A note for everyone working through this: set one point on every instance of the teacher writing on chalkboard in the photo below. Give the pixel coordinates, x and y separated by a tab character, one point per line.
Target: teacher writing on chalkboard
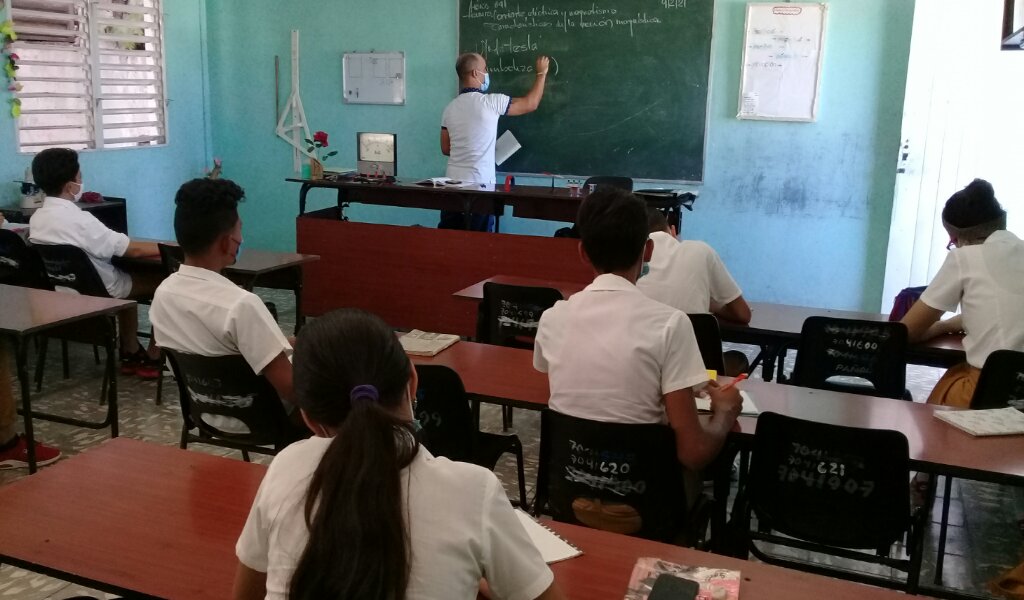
469	128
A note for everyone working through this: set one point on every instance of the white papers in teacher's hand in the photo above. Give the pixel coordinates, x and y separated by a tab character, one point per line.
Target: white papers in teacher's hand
506	146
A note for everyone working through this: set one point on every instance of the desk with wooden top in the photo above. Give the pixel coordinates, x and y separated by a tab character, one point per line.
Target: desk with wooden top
28	312
527	201
774	327
151	521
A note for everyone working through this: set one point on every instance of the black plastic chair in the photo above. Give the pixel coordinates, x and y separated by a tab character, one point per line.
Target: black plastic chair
843	491
709	341
20	265
629	464
226	386
615	181
1001	384
509	315
69	266
450	424
171	257
871	350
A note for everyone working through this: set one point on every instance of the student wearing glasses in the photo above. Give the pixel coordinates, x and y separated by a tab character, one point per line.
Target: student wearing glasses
984	275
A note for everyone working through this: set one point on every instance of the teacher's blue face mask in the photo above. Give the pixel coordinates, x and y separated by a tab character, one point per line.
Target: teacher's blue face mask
487	82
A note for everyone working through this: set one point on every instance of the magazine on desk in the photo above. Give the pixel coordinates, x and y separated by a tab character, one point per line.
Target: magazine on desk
422	343
718	584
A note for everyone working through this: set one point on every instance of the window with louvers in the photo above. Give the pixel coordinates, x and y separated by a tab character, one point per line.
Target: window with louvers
92	73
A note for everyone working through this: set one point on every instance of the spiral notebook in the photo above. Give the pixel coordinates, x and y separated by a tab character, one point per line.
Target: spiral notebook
552	547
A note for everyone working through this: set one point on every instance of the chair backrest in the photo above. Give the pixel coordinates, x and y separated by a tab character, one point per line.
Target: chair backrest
841	486
445	414
871	350
227	386
20	264
709	341
509	314
171	257
1002	381
629	464
70	267
623	183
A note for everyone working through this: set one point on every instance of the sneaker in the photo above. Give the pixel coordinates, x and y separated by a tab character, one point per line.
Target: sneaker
148	368
17	457
129	363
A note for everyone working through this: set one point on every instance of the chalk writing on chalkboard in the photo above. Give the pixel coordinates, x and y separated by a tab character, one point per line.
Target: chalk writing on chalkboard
602	469
825	470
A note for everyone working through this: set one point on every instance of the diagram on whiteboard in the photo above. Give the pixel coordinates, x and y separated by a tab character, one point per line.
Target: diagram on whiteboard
374	77
782	56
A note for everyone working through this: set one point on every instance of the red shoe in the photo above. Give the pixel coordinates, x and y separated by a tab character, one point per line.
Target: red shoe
17	457
129	363
148	368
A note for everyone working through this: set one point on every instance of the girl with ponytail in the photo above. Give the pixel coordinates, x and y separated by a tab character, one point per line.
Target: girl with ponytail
361	510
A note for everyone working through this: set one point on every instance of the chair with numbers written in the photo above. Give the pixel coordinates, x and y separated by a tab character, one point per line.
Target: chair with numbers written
450	426
613	476
509	315
832	348
842	491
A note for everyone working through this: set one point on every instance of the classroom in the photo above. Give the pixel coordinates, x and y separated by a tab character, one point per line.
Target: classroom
830	187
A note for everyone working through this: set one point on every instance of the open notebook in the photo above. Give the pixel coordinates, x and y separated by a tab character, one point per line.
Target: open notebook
422	343
992	421
749	408
552	546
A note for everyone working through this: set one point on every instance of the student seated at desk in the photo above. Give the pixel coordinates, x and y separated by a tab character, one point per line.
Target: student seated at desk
199	311
984	274
361	510
689	275
61	221
612	354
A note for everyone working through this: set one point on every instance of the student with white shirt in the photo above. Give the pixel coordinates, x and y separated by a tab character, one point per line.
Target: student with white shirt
469	128
61	221
689	275
361	510
613	354
198	310
984	275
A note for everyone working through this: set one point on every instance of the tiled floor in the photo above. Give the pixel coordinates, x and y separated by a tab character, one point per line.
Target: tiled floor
984	539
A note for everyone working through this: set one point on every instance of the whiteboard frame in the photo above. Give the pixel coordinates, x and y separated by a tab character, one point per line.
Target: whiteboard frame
821	57
345	84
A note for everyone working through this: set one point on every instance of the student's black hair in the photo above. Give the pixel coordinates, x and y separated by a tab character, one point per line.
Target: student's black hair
974	205
53	168
204	210
656	220
358	544
613	228
466	63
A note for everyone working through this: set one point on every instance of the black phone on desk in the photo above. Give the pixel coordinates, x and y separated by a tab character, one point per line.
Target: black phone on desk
670	587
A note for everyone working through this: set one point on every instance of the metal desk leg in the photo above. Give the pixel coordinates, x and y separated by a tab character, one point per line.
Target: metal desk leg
300	319
20	352
112	377
302	198
943	526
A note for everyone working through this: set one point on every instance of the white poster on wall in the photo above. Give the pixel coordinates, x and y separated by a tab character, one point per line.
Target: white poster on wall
782	56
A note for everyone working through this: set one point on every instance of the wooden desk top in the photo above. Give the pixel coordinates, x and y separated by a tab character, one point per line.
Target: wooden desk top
27	311
495	373
476	291
138	518
409	185
252	262
602	572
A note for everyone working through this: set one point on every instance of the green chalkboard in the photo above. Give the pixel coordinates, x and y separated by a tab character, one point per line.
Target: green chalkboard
627	92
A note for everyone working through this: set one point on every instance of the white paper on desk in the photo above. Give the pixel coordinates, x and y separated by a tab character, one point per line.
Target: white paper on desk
749	408
506	146
552	547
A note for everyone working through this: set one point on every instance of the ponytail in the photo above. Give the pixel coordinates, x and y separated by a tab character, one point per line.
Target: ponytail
358	536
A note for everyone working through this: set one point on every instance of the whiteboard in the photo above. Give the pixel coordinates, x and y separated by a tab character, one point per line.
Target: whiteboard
782	53
373	77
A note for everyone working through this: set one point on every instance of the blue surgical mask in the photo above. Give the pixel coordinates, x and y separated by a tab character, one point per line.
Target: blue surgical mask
487	82
645	269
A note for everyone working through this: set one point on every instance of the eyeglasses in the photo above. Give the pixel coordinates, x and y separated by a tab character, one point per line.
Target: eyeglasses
951	244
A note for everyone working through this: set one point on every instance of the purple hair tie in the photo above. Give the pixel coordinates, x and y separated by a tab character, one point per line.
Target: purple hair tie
363	395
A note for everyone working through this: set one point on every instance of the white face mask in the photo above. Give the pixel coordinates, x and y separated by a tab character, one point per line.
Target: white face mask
81	188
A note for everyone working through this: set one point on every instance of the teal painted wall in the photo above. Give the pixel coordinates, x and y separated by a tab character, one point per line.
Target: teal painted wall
147	177
800	212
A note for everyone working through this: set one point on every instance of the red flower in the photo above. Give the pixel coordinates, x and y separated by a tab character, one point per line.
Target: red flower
321	138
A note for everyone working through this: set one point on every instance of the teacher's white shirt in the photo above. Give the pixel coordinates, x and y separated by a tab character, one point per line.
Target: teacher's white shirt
472	123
